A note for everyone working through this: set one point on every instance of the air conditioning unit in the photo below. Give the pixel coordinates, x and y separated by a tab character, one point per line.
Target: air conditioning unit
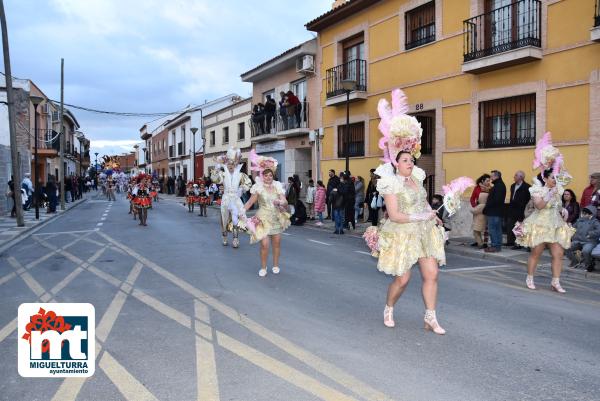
46	108
305	64
54	116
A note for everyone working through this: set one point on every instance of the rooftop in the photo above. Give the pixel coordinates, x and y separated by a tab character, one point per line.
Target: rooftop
338	14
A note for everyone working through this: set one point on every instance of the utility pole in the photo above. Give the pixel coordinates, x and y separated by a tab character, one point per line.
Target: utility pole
14	152
61	168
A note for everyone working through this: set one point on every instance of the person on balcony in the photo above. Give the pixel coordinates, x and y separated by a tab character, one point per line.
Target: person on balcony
283	110
258	118
293	105
270	109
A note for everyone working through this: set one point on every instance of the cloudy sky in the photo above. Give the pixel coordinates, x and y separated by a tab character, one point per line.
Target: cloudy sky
148	55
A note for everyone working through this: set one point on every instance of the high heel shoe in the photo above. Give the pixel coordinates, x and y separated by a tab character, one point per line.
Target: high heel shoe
529	282
388	316
432	324
555	284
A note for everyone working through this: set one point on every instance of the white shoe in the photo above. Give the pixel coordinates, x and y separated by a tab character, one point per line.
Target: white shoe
262	272
318	223
275	270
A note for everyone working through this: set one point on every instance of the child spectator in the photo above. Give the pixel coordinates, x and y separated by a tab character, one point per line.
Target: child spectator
320	198
585	239
310	199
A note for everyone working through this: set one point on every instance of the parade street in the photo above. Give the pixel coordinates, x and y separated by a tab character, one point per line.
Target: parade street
181	317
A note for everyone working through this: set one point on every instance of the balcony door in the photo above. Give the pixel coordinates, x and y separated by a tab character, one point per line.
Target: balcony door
508	21
354	50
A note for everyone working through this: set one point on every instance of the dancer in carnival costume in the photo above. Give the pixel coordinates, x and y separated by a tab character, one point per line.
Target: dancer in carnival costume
131	198
272	217
411	233
143	201
228	173
547	224
203	200
190	197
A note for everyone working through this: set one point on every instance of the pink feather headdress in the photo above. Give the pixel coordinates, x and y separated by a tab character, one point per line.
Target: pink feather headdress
262	163
400	131
547	155
453	191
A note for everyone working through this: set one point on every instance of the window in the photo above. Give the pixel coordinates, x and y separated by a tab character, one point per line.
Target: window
268	93
183	136
299	89
428	137
225	135
507	122
212	138
420	25
241	131
354	50
356	140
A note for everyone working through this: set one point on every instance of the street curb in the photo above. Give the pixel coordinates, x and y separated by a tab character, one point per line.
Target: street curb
32	230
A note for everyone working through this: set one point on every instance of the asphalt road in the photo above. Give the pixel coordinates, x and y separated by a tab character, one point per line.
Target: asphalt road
180	317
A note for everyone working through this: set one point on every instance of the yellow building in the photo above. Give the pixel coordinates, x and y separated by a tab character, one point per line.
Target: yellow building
486	78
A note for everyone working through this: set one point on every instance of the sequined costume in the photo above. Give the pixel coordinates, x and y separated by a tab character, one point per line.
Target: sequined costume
546	225
270	219
402	244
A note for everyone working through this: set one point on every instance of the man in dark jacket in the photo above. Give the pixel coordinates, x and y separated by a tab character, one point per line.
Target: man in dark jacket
494	210
333	182
349	199
338	206
519	197
270	108
585	239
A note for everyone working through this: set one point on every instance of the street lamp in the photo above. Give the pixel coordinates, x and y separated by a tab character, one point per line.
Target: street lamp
96	165
194	130
36	100
348	85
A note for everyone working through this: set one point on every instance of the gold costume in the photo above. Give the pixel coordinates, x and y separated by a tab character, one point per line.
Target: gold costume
272	220
402	244
546	225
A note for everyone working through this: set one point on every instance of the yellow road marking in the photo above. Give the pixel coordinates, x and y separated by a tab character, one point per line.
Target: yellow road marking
128	385
9	328
64	282
206	366
165	309
280	369
110	316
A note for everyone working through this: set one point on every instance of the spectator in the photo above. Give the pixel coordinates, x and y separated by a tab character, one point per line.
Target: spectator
437	204
320	201
371	192
291	195
359	202
494	208
479	219
51	192
519	197
569	201
333	182
596	199
338	206
293	107
270	109
11	194
27	185
585	238
258	118
588	192
283	110
310	199
349	200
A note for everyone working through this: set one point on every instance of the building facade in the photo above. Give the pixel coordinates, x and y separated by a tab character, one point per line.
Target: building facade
486	78
225	128
285	135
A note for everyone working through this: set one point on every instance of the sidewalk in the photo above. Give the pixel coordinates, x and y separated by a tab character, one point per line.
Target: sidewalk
461	246
8	225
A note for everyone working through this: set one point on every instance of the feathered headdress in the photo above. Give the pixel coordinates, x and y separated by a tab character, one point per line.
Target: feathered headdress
233	155
548	156
262	163
453	191
400	131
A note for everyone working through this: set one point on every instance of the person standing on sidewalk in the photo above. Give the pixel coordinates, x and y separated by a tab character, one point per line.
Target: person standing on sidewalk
588	192
310	199
519	197
546	226
585	239
494	210
479	221
27	185
349	200
333	182
338	207
320	201
359	191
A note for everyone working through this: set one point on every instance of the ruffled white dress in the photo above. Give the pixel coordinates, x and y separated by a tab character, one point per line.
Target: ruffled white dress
401	245
272	220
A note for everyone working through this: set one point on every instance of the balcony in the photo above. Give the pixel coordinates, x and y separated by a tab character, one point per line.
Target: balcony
503	37
48	143
595	31
294	122
355	70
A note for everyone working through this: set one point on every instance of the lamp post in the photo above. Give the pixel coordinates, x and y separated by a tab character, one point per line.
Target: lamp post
349	85
96	164
36	100
194	130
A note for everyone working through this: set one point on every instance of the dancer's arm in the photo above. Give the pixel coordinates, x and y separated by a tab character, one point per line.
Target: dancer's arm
250	202
398	217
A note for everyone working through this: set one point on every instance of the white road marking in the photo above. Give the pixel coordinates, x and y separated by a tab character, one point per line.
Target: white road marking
99	224
464	269
65	232
206	365
285	234
319	242
128	385
363	252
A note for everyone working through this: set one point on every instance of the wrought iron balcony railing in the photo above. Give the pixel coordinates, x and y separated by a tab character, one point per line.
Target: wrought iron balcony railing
355	70
284	119
506	28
